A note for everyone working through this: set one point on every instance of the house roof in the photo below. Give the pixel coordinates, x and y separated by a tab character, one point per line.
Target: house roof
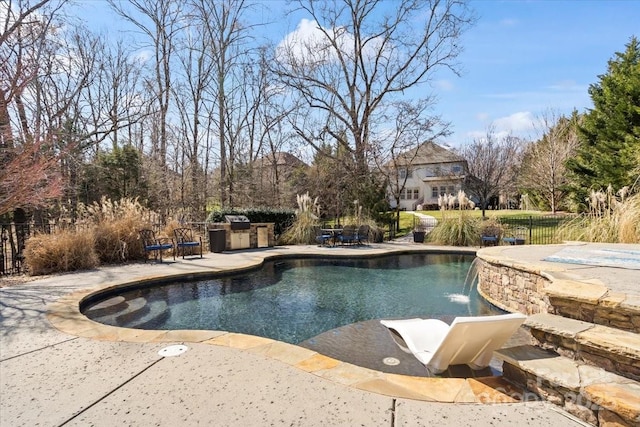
428	153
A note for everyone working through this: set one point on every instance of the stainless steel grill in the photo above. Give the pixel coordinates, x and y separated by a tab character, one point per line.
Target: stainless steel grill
238	222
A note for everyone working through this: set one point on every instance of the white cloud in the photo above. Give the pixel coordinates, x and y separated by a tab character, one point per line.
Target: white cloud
476	134
308	44
142	56
519	122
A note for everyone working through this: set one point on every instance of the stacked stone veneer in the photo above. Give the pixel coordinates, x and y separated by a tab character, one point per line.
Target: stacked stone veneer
608	310
585	352
513	289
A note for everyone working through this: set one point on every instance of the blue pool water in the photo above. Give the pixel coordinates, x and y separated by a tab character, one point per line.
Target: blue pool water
295	299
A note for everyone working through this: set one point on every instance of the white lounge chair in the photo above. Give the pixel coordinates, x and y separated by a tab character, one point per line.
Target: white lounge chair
469	340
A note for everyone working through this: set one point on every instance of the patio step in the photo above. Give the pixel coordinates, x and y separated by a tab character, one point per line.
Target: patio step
107	307
136	313
136	308
611	349
114	311
592	394
155	313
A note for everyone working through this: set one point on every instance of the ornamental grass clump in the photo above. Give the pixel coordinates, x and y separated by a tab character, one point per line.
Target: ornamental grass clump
459	229
376	233
302	230
65	250
116	226
612	218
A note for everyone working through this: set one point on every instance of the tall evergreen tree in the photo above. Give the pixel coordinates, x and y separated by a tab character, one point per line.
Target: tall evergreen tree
610	133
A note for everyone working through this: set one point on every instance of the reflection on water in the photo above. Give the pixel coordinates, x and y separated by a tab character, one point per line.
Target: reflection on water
294	300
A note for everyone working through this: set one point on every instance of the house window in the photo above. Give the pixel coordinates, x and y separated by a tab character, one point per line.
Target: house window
410	194
456	169
434	192
443	190
404	173
452	189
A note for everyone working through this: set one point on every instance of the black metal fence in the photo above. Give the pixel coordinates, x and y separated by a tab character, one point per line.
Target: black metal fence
538	230
535	230
12	240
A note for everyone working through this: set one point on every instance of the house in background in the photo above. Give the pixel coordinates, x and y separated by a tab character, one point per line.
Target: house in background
277	178
420	175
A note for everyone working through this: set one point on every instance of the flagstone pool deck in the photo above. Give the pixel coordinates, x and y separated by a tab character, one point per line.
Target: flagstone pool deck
59	368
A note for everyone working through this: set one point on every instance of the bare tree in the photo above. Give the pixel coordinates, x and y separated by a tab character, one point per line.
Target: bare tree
544	171
364	54
24	41
113	101
160	21
37	89
232	60
493	165
192	96
401	147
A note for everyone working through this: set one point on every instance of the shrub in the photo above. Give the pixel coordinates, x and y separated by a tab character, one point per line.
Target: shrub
65	250
281	218
629	222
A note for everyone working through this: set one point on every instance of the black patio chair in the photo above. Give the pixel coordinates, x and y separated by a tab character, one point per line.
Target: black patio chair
322	237
363	234
348	235
151	244
185	239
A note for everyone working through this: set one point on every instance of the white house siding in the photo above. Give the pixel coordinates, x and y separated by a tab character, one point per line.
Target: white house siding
426	180
431	167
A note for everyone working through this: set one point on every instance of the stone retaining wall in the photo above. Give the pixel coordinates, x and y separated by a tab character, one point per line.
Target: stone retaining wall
515	289
512	289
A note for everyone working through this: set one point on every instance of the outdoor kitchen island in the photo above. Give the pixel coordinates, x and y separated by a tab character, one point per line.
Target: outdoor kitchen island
240	233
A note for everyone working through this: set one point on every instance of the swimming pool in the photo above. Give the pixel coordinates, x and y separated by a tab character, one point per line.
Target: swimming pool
293	300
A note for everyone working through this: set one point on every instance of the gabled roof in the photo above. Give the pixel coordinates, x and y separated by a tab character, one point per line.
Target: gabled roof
428	153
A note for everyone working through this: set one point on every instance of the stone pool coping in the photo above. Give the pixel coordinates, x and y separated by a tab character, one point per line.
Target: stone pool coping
605	286
64	314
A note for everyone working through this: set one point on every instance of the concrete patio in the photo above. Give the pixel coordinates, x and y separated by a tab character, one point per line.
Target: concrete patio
58	368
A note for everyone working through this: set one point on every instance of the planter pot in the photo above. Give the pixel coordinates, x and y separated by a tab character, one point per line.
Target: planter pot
418	236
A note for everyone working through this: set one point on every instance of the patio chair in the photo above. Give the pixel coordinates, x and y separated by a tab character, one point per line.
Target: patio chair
469	340
516	236
363	234
322	237
348	235
490	236
185	239
151	244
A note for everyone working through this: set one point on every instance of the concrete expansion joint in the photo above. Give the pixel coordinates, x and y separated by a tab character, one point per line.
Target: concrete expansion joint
393	412
39	349
106	395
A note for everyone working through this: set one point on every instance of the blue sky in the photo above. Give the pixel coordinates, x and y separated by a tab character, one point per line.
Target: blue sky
526	57
521	59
